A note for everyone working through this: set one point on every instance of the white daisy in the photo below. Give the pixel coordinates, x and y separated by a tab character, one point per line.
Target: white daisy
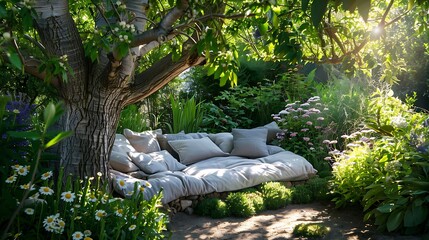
46	191
132	227
68	196
77	235
23	170
29	211
122	184
46	175
11	179
27	186
119	212
100	214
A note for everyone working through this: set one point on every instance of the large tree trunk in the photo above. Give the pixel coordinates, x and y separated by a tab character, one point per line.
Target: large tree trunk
94	124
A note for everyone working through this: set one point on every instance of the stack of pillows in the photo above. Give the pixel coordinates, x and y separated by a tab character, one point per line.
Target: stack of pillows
144	153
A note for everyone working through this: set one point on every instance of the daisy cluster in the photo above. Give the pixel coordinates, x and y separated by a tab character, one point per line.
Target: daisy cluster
70	212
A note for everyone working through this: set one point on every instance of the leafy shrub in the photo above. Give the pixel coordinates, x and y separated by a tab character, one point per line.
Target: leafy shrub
240	205
38	205
212	207
275	195
319	187
311	230
215	120
257	200
301	194
385	166
306	130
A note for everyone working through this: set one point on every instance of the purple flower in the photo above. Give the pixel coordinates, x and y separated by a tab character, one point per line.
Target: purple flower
306	139
293	134
309	123
304	130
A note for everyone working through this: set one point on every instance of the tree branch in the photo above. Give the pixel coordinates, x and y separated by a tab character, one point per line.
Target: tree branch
161	73
164	27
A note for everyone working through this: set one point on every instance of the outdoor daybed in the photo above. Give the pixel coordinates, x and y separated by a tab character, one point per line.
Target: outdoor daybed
200	163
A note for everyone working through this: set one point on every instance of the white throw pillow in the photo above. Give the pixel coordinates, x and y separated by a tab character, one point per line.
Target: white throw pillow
194	150
118	158
156	162
144	141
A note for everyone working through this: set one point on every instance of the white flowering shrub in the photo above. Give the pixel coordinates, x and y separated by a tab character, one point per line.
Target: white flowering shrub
385	166
38	205
306	132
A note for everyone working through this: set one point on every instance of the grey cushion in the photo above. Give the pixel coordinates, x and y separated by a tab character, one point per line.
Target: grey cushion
165	157
143	141
273	129
118	158
274	149
156	162
146	163
164	138
194	150
250	143
223	141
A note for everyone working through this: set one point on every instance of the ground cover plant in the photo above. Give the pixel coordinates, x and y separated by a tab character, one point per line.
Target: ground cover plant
37	205
271	195
384	167
311	230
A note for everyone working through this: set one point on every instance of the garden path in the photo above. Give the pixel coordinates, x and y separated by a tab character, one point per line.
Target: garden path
279	224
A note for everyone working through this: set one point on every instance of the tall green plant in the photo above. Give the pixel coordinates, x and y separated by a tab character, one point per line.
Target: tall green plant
133	118
187	115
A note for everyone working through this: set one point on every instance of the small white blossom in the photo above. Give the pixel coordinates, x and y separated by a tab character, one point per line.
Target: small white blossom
100	214
11	179
132	227
399	122
46	175
77	235
122	184
29	211
68	196
46	191
6	35
23	170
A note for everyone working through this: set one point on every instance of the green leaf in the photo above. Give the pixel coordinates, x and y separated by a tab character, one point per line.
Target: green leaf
387	208
3	12
33	135
58	138
363	7
223	79
311	75
304	5
394	220
211	69
410	4
49	114
415	215
263	28
15	60
318	10
349	5
275	20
